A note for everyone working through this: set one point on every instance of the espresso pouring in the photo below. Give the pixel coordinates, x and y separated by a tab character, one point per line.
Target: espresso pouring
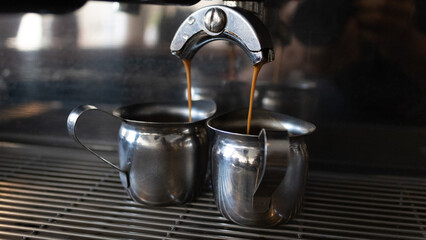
217	22
256	70
187	64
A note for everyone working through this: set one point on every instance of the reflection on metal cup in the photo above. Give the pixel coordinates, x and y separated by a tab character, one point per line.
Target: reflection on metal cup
258	180
163	157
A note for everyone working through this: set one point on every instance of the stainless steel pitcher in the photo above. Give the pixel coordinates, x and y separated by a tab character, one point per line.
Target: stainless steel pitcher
258	179
163	157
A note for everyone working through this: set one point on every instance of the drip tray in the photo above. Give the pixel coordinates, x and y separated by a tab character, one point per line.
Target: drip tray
64	193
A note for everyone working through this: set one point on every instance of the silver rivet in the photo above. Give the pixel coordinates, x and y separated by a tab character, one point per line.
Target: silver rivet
215	20
191	20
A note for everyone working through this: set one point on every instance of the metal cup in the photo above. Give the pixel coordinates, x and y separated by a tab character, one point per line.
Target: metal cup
162	156
258	179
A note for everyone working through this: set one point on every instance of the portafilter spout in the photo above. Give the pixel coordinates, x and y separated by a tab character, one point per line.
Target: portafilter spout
219	22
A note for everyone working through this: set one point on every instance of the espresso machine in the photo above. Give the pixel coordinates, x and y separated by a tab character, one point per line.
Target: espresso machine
324	62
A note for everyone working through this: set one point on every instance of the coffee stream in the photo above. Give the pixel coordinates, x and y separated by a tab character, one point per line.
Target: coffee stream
187	64
256	70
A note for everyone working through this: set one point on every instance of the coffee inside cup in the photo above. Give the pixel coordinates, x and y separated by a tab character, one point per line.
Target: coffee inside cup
236	122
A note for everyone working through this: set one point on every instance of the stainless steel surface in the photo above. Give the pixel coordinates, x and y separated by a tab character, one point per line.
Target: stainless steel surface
258	180
60	193
242	28
297	97
369	109
364	103
72	125
256	7
163	157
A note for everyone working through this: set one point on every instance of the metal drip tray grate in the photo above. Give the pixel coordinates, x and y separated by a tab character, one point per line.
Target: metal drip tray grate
64	194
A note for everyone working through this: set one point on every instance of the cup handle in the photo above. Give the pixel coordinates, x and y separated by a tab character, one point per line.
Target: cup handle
72	123
273	168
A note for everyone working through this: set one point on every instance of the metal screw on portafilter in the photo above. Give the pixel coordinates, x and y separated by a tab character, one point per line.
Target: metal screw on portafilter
219	22
215	20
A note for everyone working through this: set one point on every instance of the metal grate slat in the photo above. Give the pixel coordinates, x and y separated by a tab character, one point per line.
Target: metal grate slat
62	233
78	197
363	189
389	197
379	183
